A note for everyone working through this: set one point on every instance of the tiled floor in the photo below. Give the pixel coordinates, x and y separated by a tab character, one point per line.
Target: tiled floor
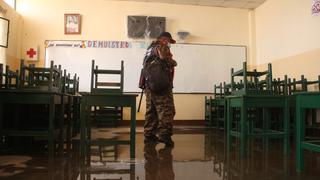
199	154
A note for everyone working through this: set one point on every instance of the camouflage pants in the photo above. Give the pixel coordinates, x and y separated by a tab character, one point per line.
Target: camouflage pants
160	112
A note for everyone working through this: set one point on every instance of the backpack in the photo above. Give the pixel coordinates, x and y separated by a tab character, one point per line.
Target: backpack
158	76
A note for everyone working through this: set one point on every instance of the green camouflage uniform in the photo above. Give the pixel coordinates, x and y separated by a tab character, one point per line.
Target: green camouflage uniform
160	112
160	109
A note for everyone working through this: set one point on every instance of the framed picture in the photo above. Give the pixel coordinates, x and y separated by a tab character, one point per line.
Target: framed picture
72	24
4	32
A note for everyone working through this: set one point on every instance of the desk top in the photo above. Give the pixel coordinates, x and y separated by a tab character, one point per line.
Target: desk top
34	92
307	93
123	100
113	95
5	91
256	96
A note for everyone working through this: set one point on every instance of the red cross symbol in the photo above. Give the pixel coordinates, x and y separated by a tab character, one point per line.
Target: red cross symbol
31	53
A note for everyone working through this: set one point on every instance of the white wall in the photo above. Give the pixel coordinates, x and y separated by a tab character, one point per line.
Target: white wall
106	20
285	28
11	54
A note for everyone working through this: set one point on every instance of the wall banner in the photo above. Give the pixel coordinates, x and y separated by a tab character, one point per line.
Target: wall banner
89	44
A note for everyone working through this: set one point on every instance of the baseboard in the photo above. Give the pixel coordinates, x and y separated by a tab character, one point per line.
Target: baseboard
175	123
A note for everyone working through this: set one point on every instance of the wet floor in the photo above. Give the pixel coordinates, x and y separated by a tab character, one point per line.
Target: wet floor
199	154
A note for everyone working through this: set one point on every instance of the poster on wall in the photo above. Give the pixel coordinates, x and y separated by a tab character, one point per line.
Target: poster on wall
315	7
31	53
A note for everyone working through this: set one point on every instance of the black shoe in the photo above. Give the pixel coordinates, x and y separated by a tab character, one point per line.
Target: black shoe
167	141
151	139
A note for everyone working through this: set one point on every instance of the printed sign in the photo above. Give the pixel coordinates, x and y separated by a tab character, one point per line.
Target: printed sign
31	53
89	44
315	7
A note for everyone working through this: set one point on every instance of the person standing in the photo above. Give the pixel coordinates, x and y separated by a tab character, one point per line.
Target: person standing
160	109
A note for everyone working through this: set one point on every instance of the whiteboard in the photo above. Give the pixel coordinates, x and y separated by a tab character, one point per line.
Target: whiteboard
199	66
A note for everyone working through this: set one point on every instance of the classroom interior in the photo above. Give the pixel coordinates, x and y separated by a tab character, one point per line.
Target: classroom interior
262	120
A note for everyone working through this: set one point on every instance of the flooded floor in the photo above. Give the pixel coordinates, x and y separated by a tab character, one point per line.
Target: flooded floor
199	154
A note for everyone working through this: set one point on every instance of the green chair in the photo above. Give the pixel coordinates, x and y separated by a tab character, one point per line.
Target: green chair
73	83
8	79
219	116
297	85
214	107
253	82
70	85
98	86
208	111
105	116
250	109
280	87
40	78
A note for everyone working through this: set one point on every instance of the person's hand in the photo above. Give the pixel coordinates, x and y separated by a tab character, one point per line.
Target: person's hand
164	52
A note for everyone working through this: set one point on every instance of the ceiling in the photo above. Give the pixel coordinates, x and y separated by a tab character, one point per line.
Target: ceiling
244	4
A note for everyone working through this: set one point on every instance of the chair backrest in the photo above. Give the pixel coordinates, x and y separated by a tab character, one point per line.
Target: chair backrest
40	78
8	79
252	80
221	90
315	82
72	84
100	85
281	87
297	85
218	91
302	85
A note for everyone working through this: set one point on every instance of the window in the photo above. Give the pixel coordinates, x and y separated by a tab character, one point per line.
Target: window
11	3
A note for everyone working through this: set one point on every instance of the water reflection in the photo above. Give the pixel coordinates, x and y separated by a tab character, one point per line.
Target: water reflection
158	165
199	154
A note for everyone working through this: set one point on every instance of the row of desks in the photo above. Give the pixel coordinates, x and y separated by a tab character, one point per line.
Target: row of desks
53	100
300	102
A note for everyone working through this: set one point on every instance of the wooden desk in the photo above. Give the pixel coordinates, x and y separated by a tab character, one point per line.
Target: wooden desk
121	100
304	100
36	97
244	102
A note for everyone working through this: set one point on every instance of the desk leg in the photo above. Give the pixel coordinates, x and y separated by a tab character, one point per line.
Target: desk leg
229	119
1	123
300	133
69	124
286	129
210	113
132	171
266	128
83	115
61	129
243	131
89	119
51	170
225	120
218	116
82	170
133	130
51	128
